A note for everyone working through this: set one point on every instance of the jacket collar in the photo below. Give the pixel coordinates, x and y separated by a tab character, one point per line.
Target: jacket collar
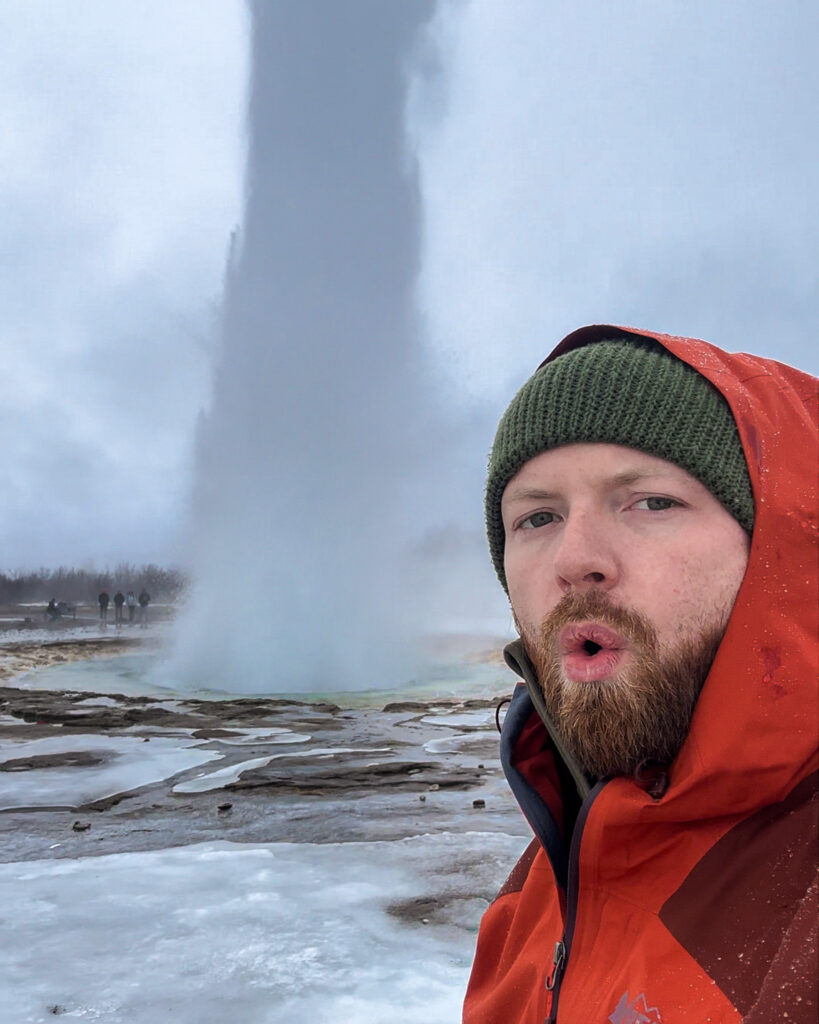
546	781
518	660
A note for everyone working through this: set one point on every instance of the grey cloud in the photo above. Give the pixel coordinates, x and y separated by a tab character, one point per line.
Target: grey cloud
119	186
607	162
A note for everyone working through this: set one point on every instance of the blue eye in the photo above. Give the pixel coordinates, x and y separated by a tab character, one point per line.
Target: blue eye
656	504
537	519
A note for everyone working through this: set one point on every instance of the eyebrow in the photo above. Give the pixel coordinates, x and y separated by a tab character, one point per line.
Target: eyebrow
625	479
532	494
634	476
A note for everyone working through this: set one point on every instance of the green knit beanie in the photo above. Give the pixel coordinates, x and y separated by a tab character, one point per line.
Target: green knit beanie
628	392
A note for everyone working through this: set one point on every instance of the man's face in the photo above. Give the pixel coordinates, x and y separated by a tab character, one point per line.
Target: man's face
622	571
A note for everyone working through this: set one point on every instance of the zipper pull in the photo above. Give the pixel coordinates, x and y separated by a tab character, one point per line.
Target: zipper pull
558	961
553	981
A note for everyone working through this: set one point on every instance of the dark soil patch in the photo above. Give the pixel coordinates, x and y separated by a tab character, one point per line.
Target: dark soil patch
69	759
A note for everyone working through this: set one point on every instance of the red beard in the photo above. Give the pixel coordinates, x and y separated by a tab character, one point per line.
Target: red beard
640	712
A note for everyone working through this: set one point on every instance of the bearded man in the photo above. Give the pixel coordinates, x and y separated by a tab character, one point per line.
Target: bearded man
651	509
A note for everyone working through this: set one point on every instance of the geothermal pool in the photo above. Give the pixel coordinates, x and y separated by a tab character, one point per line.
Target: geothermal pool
468	666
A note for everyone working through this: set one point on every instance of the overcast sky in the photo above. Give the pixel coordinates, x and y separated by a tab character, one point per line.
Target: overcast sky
121	157
644	162
647	161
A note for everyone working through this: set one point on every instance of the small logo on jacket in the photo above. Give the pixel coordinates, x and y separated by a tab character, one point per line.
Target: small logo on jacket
636	1011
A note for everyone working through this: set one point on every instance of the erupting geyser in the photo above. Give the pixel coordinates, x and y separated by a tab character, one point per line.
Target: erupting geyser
309	482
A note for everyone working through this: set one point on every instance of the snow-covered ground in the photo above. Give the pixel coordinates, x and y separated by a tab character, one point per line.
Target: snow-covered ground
217	932
354	933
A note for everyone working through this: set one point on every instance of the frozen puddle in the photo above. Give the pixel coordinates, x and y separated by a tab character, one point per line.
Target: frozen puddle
478	719
114	764
462	744
217	779
97	702
358	933
268	734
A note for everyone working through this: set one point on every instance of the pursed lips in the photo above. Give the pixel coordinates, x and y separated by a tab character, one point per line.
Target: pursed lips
590	651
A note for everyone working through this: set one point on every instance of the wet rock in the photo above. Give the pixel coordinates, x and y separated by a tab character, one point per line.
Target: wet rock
105	803
81	826
406	705
69	759
434	704
214	734
320	779
253	708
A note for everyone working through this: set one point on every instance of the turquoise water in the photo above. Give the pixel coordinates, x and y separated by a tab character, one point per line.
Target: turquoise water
459	675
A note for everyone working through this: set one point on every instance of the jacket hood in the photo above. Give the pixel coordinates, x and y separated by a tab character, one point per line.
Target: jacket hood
755	730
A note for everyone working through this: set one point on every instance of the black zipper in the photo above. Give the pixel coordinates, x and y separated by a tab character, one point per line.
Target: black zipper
563	948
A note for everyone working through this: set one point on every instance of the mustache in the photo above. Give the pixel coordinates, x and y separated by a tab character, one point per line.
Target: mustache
633	627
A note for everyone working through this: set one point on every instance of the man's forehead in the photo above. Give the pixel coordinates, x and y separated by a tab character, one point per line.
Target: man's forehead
608	465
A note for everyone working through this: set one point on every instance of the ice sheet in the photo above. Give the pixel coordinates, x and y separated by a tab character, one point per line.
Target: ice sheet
128	762
270	734
471	719
461	744
271	934
219	778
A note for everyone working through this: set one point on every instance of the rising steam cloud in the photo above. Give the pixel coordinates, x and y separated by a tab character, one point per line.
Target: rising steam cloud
315	459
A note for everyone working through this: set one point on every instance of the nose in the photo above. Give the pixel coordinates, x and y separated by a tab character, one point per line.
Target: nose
585	558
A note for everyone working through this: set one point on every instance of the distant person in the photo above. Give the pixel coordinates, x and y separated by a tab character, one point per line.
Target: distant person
119	601
103	601
144	601
52	611
131	601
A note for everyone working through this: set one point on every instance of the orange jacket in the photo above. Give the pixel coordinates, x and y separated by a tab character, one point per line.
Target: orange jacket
690	895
